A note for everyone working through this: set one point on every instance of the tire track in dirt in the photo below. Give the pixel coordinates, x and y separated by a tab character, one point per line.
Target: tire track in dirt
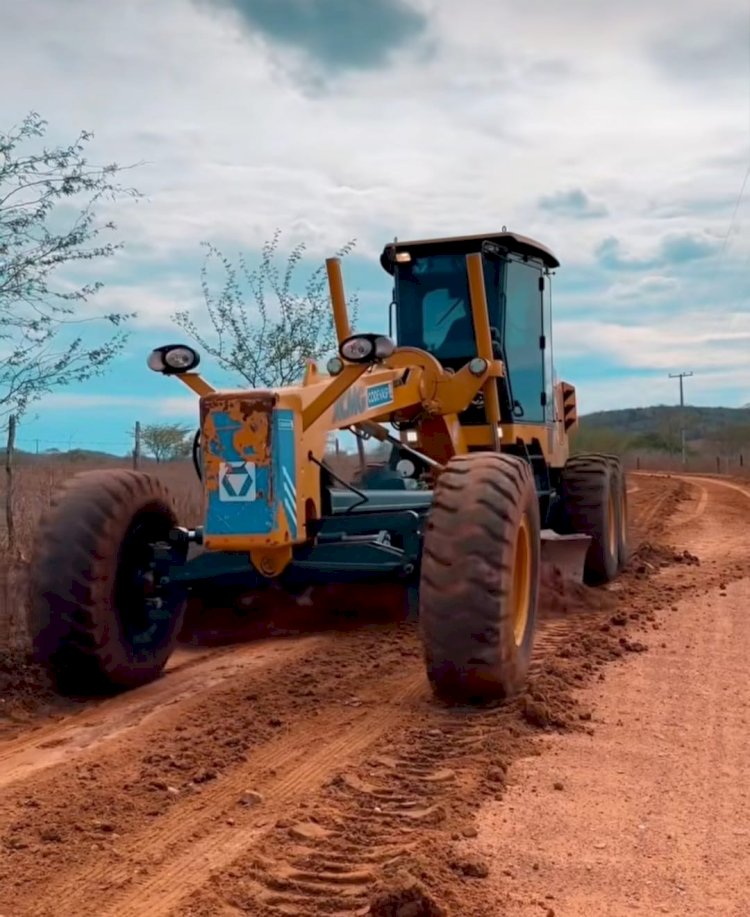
70	828
421	786
297	769
87	730
412	790
188	847
654	507
110	719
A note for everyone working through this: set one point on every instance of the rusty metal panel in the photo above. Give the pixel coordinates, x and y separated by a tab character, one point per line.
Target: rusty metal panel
249	468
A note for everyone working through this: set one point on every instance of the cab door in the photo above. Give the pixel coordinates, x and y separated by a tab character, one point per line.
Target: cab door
524	339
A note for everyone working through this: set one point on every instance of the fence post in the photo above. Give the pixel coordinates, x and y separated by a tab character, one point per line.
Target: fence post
137	446
718	464
742	461
637	463
9	518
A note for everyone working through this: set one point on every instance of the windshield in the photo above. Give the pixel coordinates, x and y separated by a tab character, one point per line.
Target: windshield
433	306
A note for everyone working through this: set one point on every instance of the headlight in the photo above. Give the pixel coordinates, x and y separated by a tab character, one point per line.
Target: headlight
335	366
366	348
405	467
173	359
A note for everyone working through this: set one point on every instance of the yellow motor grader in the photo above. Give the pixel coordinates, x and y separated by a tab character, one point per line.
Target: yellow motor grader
466	393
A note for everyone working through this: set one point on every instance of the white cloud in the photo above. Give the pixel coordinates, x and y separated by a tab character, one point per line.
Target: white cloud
652	285
515	102
692	340
467	138
154	303
177	407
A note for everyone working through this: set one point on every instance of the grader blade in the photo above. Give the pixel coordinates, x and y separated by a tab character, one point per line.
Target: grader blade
565	554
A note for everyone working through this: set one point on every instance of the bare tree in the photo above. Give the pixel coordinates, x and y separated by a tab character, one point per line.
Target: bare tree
265	328
48	227
166	442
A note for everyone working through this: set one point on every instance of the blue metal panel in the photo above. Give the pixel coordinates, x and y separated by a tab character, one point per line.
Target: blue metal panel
285	466
254	516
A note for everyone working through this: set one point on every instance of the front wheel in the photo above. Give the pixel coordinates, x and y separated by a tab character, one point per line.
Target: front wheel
479	582
101	618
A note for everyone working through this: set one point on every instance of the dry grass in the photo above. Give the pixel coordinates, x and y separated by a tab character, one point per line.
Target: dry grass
695	465
33	488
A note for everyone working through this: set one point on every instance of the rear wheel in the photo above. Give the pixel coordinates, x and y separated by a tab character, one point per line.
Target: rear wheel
479	583
591	497
621	491
100	620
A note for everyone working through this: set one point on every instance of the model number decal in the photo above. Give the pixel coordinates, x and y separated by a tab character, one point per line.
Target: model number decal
359	400
378	396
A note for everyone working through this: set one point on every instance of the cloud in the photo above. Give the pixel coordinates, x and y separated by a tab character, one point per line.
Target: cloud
154	303
705	51
338	35
673	249
174	406
442	127
651	286
691	340
575	204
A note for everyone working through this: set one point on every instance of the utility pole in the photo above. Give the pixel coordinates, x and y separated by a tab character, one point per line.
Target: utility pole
681	376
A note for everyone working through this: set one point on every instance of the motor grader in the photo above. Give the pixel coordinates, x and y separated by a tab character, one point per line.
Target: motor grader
466	392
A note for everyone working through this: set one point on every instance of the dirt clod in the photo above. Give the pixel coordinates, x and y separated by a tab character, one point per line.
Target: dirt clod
471	867
405	899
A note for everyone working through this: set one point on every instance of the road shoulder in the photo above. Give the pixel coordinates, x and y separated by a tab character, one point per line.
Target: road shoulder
651	813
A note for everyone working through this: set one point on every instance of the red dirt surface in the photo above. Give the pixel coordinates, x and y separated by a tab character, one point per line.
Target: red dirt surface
310	772
651	812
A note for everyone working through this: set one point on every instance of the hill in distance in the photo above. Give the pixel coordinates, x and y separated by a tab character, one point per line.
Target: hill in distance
699	421
653	429
714	430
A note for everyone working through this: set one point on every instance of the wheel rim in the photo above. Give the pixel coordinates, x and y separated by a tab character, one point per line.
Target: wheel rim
521	593
142	610
612	524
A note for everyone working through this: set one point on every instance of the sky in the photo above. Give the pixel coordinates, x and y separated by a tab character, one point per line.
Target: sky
617	135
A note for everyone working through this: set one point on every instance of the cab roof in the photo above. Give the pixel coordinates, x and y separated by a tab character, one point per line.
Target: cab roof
513	242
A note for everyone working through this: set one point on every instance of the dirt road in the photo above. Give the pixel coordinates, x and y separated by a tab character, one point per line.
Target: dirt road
650	814
314	774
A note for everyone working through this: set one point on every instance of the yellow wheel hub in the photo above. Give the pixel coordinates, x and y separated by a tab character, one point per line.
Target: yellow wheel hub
521	589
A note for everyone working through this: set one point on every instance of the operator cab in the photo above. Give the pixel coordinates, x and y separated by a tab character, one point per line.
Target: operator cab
433	312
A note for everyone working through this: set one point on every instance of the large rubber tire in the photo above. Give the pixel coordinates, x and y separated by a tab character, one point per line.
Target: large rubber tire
590	502
479	580
90	624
